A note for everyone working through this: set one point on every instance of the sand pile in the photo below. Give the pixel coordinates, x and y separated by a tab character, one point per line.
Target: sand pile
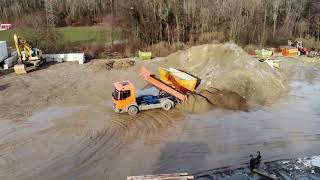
99	65
211	98
228	68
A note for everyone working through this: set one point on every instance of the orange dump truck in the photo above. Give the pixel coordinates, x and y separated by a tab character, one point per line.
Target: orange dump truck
125	99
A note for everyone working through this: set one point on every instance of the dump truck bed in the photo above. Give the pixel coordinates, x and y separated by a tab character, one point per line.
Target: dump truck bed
178	79
150	78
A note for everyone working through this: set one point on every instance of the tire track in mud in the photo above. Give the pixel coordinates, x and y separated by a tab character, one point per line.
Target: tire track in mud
125	129
98	148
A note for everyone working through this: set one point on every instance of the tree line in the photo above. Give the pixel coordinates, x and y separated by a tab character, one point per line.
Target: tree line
151	21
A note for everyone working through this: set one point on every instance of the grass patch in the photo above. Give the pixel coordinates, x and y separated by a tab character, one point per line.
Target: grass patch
77	35
4	36
99	34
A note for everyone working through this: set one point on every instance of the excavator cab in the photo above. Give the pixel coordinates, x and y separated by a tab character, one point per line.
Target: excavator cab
124	98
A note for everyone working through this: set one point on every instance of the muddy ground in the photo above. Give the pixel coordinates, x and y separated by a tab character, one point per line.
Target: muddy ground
58	123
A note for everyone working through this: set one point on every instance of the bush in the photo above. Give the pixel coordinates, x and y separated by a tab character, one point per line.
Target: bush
310	43
93	50
163	49
212	37
250	48
33	20
38	37
132	47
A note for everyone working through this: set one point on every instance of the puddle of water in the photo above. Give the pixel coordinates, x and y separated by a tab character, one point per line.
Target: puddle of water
50	114
290	128
37	122
287	129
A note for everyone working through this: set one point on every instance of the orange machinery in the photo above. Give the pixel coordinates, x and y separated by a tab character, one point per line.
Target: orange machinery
290	52
125	100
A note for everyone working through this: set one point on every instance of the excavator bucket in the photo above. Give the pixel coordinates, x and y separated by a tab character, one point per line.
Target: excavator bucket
20	69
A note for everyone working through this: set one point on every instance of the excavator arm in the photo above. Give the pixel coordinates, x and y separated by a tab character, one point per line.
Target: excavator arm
26	55
17	44
21	44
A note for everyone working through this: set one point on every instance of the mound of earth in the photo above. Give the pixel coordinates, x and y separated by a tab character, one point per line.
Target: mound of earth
109	64
228	67
211	98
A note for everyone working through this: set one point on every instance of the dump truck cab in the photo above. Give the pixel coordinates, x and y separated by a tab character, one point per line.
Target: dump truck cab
125	99
123	96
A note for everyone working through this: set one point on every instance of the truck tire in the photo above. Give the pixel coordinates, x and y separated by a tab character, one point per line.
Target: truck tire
167	105
133	110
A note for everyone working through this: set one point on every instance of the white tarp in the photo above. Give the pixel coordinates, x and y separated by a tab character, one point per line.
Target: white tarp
3	51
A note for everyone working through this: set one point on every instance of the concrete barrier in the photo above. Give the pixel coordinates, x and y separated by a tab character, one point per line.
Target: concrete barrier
3	51
10	62
70	57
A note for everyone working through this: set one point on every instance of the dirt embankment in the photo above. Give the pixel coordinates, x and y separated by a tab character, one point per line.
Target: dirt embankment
229	77
211	98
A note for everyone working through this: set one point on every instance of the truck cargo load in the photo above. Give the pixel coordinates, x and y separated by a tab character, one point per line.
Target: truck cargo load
180	80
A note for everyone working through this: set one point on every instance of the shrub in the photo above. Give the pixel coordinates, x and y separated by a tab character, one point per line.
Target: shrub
163	49
310	43
212	37
132	47
250	48
93	50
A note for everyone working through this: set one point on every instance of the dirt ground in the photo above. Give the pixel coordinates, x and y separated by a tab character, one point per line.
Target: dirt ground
58	123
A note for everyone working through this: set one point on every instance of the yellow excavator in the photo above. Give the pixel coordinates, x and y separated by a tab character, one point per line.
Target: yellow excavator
26	55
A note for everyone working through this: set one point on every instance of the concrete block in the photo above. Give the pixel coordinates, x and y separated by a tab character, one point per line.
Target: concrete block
10	62
75	57
3	51
70	57
14	53
53	57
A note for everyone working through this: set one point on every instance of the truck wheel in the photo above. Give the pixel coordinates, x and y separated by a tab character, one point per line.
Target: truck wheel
133	110
167	105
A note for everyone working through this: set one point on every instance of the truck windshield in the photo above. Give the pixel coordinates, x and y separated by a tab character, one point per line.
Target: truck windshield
115	94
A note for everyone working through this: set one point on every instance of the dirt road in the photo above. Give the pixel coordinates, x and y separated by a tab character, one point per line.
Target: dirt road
57	123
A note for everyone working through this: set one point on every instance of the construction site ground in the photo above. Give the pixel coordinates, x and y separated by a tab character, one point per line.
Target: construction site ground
57	123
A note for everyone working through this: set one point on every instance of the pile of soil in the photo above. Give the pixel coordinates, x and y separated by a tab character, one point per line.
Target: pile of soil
228	68
229	78
211	98
99	65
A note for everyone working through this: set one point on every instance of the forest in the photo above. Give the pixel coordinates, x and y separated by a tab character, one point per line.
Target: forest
259	22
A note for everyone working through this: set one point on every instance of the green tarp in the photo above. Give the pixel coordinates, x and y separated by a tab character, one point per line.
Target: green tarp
145	55
263	53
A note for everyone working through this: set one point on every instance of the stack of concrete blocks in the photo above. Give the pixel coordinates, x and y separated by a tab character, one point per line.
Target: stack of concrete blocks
11	61
3	51
71	57
8	61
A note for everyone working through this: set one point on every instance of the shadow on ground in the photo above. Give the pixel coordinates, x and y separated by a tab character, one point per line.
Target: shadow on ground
3	87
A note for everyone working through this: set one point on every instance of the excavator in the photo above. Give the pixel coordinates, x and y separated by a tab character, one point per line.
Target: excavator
173	87
26	55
